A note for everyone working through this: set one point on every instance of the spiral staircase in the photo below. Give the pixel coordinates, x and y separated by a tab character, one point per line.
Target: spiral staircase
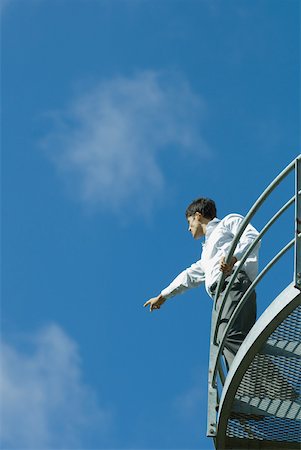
257	403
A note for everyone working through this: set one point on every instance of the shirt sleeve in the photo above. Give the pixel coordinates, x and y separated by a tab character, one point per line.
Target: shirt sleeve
246	239
190	278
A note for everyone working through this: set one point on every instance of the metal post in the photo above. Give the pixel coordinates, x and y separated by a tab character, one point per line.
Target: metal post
212	385
297	271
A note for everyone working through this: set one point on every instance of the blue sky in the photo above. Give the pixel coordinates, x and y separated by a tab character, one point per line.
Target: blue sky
116	114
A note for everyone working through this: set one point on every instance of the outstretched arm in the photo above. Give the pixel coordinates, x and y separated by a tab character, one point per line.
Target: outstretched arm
191	277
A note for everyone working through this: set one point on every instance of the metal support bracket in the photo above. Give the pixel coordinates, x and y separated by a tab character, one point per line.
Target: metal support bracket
297	271
211	418
212	387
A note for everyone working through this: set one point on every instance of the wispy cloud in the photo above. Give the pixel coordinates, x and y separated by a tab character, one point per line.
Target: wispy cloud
44	402
4	4
109	141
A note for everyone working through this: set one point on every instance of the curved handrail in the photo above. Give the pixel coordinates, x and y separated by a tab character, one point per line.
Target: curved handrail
245	298
243	259
249	216
215	361
276	312
243	226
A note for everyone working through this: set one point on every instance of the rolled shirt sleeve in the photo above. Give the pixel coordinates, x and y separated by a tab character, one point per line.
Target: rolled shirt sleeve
190	278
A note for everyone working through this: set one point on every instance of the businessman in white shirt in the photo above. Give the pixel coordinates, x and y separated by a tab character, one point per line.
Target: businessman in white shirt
218	236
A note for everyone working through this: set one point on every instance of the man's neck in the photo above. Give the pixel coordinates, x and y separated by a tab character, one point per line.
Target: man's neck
205	223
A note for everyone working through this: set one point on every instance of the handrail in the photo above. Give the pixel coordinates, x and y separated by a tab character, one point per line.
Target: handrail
215	366
297	271
249	216
243	259
276	312
245	298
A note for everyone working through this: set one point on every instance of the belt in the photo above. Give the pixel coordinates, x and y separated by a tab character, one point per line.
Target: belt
214	286
226	281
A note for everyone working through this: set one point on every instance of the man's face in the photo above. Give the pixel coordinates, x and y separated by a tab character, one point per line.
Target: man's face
195	226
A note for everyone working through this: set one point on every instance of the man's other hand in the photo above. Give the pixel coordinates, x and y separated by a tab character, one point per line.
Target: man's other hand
227	268
155	303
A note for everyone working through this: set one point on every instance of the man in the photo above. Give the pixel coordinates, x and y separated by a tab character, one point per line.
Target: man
218	234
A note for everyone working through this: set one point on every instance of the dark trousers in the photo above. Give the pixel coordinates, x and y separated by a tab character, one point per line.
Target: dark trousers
244	321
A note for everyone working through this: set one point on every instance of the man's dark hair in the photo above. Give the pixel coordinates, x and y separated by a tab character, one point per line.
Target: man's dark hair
204	206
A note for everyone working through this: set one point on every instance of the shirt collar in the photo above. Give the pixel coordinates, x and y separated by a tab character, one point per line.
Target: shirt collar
210	227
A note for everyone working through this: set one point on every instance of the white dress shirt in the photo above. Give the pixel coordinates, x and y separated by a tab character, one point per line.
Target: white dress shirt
218	239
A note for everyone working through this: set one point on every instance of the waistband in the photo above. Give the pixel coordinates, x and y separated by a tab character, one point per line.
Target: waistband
213	287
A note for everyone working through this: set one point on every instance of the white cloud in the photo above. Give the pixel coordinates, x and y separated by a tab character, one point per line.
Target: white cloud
109	142
44	402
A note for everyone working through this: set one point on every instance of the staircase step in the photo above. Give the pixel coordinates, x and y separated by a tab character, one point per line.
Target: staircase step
284	409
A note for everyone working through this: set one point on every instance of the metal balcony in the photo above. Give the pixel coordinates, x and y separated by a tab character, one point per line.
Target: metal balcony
257	404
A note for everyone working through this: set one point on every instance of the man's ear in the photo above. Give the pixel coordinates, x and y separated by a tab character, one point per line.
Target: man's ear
199	216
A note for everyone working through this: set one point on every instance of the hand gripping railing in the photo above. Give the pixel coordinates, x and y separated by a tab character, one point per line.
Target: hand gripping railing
216	348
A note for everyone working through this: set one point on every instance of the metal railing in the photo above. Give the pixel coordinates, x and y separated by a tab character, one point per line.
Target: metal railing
217	373
260	403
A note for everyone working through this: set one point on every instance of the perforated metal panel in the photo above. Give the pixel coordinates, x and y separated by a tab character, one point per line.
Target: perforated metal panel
267	405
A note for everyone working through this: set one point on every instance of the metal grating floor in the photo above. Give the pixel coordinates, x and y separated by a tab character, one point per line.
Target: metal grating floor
267	404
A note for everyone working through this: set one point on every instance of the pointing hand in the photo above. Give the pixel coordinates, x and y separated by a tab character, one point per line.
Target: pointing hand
155	302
